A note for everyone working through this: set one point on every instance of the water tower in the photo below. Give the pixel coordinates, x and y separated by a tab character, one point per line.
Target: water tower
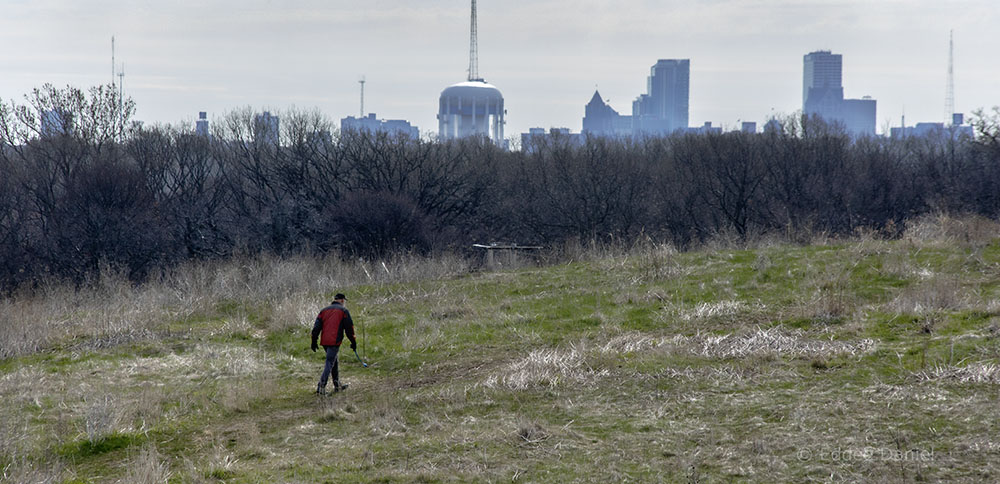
473	107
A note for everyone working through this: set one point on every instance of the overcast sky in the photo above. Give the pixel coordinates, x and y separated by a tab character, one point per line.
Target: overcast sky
546	56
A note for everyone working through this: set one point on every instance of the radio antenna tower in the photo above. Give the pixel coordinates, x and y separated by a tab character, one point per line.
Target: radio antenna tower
362	82
121	94
949	97
121	82
474	47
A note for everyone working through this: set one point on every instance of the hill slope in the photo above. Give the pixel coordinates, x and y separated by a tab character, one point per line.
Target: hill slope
866	361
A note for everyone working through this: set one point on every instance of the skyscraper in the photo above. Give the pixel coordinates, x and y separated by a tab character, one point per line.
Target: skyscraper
265	128
201	126
600	119
823	95
55	122
664	108
822	83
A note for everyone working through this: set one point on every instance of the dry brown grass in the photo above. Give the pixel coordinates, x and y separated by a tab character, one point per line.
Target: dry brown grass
770	342
971	231
832	298
548	367
530	432
113	311
937	293
102	416
23	471
147	467
983	372
422	335
703	385
385	419
746	344
720	309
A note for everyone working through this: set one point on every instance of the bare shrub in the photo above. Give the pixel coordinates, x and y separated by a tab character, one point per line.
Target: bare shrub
148	467
375	224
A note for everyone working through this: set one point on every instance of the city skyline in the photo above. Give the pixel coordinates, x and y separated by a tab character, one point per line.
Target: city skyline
547	56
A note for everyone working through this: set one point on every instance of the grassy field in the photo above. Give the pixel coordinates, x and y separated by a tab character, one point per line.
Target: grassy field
853	361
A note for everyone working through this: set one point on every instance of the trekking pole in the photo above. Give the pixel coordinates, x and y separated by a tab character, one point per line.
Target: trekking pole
359	359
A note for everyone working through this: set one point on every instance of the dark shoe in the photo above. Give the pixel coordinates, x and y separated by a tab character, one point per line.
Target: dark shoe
340	388
320	391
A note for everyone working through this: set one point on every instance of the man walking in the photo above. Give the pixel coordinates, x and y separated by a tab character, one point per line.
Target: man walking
333	322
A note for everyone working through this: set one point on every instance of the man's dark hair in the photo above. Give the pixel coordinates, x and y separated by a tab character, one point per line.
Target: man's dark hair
339	297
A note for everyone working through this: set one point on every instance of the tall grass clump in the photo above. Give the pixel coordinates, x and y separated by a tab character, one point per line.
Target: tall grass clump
942	229
147	467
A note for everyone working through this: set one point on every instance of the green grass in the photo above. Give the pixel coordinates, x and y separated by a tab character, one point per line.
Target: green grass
780	364
86	449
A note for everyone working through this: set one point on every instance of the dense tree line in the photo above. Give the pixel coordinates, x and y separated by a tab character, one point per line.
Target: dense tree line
87	187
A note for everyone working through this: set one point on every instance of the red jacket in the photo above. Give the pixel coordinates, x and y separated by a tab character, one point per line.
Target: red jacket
333	322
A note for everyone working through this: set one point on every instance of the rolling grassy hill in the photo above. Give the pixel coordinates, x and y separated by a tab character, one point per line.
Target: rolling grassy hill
864	360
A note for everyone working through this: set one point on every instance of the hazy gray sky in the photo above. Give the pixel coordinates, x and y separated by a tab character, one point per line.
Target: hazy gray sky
546	56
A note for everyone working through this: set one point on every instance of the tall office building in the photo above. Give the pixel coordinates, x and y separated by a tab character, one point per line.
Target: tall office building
664	108
822	83
55	122
823	95
600	119
201	126
265	128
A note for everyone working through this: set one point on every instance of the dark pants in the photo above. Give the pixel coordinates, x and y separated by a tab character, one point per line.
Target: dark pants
330	367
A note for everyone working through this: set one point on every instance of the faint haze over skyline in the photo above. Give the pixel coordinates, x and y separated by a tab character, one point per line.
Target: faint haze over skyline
546	56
